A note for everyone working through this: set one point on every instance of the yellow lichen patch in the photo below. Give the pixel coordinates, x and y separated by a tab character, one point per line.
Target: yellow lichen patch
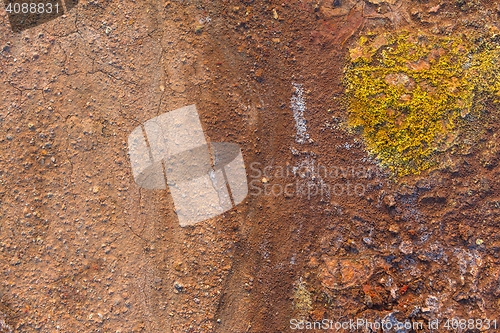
302	298
409	92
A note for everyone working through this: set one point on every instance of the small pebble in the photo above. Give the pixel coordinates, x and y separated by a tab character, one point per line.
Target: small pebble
178	286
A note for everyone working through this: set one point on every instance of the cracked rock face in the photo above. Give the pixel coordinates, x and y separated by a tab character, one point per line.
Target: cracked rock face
84	248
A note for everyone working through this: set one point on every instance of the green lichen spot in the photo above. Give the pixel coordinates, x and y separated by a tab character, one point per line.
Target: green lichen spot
410	93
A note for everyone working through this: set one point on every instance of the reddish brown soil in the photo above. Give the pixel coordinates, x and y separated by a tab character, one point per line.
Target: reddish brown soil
84	249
